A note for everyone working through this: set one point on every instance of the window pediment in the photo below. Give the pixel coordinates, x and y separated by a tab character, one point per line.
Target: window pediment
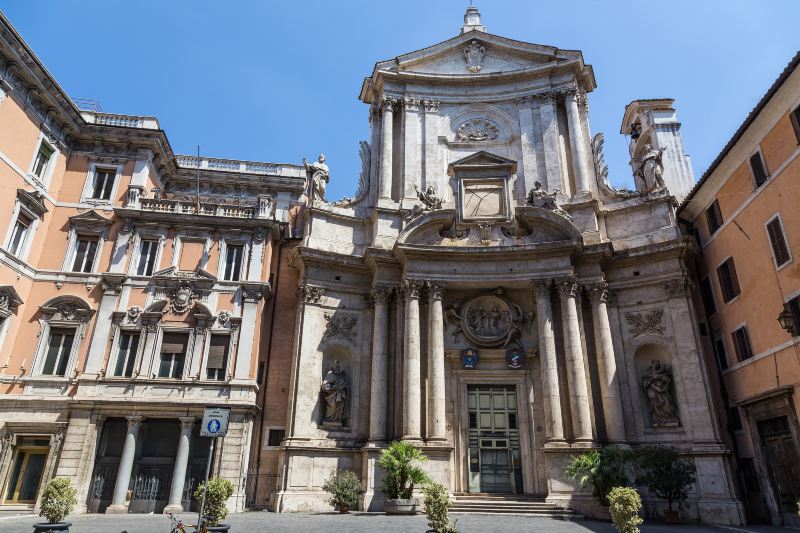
33	202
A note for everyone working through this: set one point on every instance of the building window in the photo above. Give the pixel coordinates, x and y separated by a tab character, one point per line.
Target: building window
233	262
59	347
275	436
741	343
707	294
758	169
793	306
147	258
42	160
103	183
728	281
795	116
21	227
217	362
713	217
173	355
719	353
777	239
126	353
85	250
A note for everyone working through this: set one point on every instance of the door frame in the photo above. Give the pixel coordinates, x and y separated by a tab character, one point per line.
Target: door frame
10	437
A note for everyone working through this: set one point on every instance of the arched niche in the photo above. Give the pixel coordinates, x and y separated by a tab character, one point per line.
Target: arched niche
656	384
336	383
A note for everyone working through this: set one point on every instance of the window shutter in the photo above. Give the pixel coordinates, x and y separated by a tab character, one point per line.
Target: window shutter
174	343
713	217
796	122
217	352
778	241
757	166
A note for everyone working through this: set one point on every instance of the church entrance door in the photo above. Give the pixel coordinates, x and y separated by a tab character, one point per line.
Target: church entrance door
494	456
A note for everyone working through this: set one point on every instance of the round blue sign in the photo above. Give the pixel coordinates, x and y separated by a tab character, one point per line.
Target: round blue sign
213	426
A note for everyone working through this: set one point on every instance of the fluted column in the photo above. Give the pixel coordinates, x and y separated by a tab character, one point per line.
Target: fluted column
437	372
386	147
607	365
554	426
576	371
552	152
380	364
175	504
579	157
125	467
411	364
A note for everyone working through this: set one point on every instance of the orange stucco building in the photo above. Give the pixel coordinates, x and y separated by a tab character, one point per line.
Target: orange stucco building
135	288
743	214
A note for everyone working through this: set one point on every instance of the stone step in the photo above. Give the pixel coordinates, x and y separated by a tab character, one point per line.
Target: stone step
510	504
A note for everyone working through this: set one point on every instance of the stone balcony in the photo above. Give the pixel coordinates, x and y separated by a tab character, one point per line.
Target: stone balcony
240	167
262	209
126	121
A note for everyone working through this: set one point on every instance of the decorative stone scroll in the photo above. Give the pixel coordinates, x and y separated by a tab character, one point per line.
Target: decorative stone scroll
477	130
339	325
641	323
657	385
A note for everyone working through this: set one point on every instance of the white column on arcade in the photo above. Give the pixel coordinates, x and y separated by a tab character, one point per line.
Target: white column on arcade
580	159
576	371
411	364
607	365
112	285
125	467
387	131
175	504
437	429
380	363
554	426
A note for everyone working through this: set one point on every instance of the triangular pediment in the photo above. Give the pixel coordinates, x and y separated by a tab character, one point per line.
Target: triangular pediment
89	217
482	159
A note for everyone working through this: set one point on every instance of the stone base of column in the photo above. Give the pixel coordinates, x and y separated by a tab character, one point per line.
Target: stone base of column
117	509
415	439
437	441
173	509
584	444
556	444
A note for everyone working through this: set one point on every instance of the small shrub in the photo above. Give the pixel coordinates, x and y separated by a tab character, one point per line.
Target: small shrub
624	504
344	488
58	500
402	472
437	506
603	470
219	490
666	474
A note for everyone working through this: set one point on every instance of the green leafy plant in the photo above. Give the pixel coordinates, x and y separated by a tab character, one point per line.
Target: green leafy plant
344	488
624	504
58	500
603	470
219	490
666	474
437	507
401	462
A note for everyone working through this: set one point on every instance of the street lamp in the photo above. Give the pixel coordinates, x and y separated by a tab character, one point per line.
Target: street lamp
786	320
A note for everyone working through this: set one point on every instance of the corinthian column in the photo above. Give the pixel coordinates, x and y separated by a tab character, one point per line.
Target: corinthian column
380	364
579	158
386	147
437	374
576	372
607	365
411	364
554	427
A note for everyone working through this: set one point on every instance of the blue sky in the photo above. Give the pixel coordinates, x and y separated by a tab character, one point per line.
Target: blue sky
278	81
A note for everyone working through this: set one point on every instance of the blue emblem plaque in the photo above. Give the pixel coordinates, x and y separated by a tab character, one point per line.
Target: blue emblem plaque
515	358
469	358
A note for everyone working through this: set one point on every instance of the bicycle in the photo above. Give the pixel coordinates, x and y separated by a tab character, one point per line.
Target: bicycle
178	526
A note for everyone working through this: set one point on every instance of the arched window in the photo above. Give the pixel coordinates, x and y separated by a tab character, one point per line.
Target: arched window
63	325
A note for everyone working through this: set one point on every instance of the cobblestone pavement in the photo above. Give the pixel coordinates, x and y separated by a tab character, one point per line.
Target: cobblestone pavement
352	523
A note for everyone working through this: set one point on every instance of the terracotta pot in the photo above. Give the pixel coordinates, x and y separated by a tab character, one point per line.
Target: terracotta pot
344	509
672	517
47	528
408	506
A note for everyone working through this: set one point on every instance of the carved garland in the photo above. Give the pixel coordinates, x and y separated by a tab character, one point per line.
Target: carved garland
642	323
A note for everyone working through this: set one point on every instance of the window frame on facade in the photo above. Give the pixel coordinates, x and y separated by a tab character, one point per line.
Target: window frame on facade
729	282
267	433
720	351
772	243
113	173
64	337
237	271
153	254
158	356
191	236
223	372
131	355
794	116
45	169
61	313
792	305
755	173
742	346
31	206
86	267
714	219
19	234
86	225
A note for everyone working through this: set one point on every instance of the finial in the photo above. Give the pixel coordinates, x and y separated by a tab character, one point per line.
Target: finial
472	20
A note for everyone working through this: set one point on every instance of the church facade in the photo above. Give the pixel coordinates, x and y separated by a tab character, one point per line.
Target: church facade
488	295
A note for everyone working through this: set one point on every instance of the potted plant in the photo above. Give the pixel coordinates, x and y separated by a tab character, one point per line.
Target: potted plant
401	462
58	500
667	476
216	509
437	507
345	489
603	470
624	504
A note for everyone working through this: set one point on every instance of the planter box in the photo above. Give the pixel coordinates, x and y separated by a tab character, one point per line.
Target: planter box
47	528
408	506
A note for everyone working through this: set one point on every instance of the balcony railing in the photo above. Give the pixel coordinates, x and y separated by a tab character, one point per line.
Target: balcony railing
238	166
127	121
193	208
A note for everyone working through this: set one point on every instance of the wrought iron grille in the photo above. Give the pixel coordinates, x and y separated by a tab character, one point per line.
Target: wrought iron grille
103	479
152	482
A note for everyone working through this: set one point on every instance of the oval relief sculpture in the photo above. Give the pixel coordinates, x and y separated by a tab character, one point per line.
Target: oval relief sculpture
488	320
477	130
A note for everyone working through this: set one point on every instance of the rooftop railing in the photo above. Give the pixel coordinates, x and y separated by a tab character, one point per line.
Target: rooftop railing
127	121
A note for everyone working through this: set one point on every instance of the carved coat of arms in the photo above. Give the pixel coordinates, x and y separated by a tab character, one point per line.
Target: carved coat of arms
474	54
469	358
515	359
182	299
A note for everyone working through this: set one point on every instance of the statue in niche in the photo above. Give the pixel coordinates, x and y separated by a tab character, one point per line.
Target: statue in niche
335	391
538	197
656	383
649	171
319	175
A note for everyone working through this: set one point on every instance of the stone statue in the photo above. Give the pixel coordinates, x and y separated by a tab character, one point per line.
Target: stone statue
538	197
335	392
650	170
430	202
656	383
319	175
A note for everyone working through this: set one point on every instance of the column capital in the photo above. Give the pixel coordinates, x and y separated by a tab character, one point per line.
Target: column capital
541	286
134	421
387	102
187	422
309	293
411	288
568	286
431	106
410	103
525	101
381	294
598	291
435	289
